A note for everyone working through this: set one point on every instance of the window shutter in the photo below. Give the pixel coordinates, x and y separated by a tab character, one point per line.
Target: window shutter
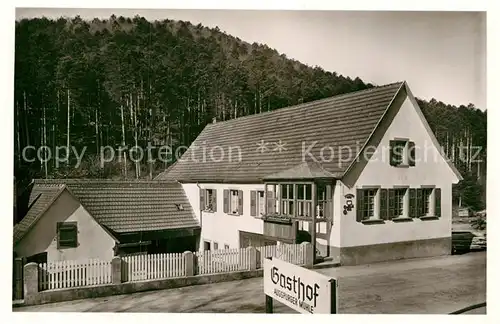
214	200
413	203
226	201
383	204
202	199
392	155
271	203
360	206
253	203
67	235
411	156
437	202
420	203
240	202
392	204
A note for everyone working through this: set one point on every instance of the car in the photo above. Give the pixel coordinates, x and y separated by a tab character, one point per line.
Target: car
465	241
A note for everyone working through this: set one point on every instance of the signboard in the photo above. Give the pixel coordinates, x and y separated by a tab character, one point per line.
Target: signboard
301	289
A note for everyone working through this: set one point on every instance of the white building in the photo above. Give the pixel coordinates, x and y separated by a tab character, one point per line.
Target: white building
365	164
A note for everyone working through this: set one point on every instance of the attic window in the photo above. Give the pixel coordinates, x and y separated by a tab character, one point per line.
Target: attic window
67	235
402	153
179	207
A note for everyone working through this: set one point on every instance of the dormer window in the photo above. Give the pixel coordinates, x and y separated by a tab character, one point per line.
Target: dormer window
402	152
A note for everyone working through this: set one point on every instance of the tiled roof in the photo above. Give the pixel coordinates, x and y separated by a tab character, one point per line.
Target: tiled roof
305	170
129	206
40	200
336	125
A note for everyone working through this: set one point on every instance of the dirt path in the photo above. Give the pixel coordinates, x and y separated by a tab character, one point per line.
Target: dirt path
420	286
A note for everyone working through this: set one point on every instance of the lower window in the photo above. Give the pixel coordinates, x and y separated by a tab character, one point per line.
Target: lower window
367	204
399	202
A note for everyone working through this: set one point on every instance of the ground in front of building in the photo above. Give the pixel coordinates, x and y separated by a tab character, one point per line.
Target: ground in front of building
438	285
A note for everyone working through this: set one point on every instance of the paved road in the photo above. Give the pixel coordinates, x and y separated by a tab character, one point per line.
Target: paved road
437	285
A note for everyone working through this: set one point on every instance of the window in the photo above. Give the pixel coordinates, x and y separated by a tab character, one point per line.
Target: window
208	200
287	201
273	194
226	246
304	200
367	204
399	202
427	201
402	153
233	202
206	245
261	202
257	203
216	246
322	201
67	235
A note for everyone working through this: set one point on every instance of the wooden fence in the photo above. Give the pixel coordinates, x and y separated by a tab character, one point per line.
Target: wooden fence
218	261
153	266
292	253
68	274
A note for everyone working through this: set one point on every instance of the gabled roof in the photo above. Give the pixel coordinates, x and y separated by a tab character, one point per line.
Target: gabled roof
121	206
327	129
40	200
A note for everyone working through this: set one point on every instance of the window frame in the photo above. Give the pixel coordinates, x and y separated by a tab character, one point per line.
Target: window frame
305	203
405	158
287	199
260	200
230	211
207	200
67	243
403	201
428	202
363	214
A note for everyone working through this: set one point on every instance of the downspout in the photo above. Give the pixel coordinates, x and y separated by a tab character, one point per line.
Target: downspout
201	215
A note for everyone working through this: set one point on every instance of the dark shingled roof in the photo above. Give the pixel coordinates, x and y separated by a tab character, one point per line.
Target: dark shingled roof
40	200
124	206
344	121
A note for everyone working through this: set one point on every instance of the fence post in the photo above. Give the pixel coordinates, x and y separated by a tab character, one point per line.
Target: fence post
116	270
309	256
253	257
30	279
189	261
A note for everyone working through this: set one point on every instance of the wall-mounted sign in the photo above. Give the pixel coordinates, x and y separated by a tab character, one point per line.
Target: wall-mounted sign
349	204
301	289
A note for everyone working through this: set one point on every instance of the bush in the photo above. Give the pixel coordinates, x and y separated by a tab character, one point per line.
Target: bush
479	223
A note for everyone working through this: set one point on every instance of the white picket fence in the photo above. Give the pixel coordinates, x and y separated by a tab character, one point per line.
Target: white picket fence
292	253
153	266
68	274
71	273
218	261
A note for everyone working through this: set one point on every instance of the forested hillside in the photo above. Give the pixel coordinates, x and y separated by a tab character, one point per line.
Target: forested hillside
124	81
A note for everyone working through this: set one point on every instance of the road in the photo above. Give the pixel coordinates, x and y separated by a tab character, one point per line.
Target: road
438	285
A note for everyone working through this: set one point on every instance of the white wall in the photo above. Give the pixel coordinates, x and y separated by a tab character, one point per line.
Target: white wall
93	240
218	226
430	169
338	203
